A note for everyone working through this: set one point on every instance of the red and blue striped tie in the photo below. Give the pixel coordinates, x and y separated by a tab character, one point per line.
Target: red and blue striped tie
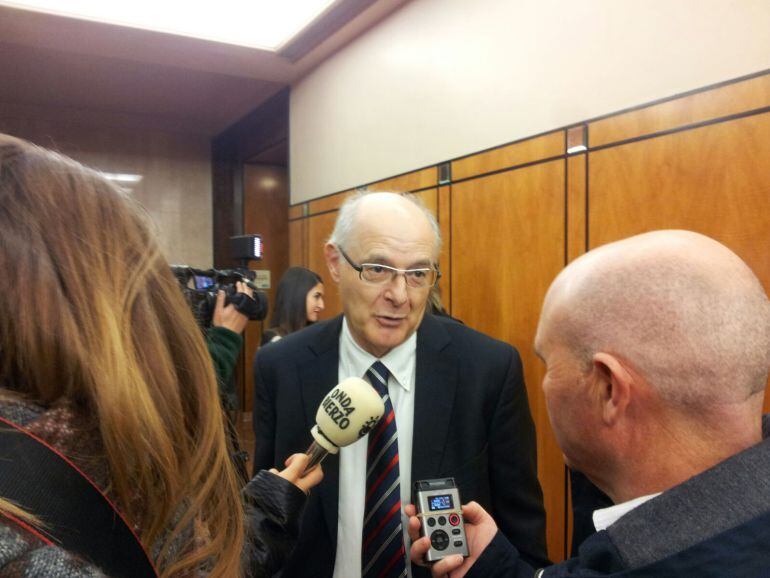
383	553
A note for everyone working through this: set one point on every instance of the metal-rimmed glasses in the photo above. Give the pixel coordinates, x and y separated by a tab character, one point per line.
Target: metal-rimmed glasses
378	274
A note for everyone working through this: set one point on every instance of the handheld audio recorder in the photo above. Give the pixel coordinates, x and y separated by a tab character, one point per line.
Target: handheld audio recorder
438	507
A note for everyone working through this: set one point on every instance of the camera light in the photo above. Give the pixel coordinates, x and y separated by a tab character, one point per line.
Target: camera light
246	247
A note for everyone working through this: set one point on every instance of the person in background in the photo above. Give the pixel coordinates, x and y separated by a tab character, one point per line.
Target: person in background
298	301
102	361
657	351
224	339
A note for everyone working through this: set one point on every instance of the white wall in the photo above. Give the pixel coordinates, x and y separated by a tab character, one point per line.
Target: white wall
444	78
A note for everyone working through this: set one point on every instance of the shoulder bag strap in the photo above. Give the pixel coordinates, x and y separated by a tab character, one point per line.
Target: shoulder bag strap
75	514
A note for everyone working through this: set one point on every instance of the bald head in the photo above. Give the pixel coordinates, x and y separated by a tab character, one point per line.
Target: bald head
399	210
685	311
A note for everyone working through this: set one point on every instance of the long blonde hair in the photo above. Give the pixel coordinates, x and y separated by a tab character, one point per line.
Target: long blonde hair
91	314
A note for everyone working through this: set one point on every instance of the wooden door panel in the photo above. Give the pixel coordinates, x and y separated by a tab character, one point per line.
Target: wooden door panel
507	246
735	98
319	229
297	243
265	211
714	180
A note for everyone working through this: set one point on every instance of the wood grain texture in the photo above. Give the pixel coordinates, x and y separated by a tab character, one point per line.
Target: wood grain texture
714	180
576	206
298	243
445	261
429	198
297	211
329	203
519	153
265	211
319	229
507	247
730	99
576	246
409	182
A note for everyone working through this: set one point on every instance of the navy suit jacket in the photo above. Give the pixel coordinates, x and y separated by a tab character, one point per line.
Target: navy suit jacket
472	422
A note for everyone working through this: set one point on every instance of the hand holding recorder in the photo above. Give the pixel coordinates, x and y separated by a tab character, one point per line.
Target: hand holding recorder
479	529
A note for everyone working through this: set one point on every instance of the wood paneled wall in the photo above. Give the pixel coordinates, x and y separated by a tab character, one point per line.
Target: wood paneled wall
265	194
514	216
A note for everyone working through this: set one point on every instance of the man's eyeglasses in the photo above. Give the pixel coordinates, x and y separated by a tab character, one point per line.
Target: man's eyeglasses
377	274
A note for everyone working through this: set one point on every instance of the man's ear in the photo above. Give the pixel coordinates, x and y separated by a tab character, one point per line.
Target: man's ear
616	384
332	255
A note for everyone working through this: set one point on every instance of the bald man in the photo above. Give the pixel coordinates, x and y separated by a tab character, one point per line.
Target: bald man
657	350
458	401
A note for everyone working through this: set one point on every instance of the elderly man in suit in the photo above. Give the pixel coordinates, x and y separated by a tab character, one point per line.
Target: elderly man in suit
657	351
455	400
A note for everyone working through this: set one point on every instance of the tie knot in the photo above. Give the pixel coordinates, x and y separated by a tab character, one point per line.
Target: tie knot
378	377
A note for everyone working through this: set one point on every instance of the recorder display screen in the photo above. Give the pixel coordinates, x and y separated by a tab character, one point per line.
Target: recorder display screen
440	503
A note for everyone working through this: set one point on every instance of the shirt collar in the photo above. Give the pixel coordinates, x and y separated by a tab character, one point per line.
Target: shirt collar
605	517
399	360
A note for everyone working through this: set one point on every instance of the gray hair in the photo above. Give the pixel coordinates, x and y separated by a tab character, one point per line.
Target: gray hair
695	325
343	228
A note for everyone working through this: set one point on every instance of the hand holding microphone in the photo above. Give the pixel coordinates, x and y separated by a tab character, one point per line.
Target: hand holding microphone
296	473
346	414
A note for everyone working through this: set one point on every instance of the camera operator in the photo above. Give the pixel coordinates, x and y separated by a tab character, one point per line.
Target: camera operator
224	341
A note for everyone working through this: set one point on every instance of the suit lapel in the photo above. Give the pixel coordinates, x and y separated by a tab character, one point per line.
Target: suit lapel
319	372
435	389
318	375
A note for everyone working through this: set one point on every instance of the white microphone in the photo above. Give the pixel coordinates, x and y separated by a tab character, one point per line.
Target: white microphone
346	414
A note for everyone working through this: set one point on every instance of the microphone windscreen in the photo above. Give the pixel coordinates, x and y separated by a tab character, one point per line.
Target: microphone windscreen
347	413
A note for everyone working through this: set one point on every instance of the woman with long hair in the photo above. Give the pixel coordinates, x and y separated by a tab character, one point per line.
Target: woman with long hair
299	299
101	358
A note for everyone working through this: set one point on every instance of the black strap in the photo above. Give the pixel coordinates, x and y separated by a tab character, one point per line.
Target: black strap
75	514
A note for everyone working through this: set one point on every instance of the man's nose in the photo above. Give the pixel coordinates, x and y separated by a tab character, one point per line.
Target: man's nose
396	289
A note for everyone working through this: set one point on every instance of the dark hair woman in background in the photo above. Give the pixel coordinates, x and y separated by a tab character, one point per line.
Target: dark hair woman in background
102	361
298	301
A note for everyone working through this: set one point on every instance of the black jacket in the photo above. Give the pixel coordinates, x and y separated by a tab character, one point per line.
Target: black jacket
273	513
472	422
715	524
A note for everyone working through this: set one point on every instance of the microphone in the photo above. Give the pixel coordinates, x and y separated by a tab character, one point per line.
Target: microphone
346	414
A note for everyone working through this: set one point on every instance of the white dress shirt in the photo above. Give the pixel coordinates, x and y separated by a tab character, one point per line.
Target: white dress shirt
354	362
605	517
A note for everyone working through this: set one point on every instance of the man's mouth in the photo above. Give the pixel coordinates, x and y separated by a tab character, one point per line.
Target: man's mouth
390	320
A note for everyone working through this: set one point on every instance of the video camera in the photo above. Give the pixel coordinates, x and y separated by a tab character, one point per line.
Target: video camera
200	286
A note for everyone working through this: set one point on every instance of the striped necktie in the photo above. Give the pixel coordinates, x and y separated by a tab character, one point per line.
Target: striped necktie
383	552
